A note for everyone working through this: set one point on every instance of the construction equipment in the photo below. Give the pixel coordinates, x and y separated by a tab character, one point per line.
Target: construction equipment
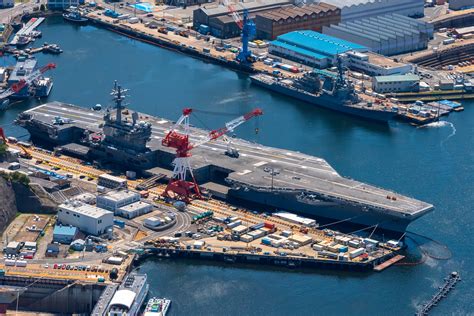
18	86
59	120
231	151
25	154
248	31
178	184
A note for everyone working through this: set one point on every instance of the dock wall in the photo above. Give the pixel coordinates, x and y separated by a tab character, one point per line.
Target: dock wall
55	296
268	260
161	42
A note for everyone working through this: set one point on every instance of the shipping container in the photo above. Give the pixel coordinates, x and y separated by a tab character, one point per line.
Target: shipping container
269	225
354	243
133	20
257	233
10	262
115	260
21	263
266	241
257	226
234	224
343	249
357	252
246	238
448	41
317	247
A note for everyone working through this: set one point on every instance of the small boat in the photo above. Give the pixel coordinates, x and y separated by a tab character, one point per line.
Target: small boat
157	307
23	40
52	48
74	15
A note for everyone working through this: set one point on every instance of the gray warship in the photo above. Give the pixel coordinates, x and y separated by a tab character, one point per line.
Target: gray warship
329	90
270	177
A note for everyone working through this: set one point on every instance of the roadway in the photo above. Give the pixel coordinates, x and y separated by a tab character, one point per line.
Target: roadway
8	14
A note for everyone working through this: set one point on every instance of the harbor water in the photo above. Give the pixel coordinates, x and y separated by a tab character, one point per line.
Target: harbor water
433	163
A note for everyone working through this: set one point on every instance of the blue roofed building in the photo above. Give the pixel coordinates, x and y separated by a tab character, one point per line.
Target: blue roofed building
64	234
312	48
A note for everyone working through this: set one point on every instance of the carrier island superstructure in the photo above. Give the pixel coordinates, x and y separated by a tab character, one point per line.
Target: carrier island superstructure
261	175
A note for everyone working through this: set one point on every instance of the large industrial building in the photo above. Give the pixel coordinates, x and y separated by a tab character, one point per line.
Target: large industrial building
360	9
312	48
398	83
221	23
375	65
313	17
388	34
124	203
88	218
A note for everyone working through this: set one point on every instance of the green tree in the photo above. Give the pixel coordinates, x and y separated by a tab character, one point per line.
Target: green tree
3	149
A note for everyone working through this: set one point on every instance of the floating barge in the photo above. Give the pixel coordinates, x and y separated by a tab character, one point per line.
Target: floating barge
273	260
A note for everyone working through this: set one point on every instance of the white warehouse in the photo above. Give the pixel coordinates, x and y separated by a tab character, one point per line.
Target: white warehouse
87	218
114	200
375	65
134	209
360	9
389	34
397	83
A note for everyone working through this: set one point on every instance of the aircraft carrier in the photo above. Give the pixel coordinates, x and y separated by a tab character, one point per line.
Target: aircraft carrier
274	178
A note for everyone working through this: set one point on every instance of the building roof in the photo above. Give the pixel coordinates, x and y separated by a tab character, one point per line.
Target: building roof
52	248
84	209
384	27
22	69
30	244
123	298
113	178
13	244
407	77
465	30
299	50
318	43
295	11
347	3
221	9
134	206
119	195
65	230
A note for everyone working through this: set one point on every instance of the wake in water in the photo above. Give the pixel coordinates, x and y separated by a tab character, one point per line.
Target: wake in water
440	124
236	97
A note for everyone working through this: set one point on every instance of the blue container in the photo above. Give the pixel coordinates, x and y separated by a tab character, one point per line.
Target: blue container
204	29
266	241
343	249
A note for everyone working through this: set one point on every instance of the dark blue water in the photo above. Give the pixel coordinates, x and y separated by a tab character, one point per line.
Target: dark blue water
434	164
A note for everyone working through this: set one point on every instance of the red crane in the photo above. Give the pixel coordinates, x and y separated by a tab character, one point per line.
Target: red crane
18	86
180	141
2	135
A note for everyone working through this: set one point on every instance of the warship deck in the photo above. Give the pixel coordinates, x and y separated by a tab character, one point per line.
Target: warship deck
291	170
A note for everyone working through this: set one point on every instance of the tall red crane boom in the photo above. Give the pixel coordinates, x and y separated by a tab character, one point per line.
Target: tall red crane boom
181	142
